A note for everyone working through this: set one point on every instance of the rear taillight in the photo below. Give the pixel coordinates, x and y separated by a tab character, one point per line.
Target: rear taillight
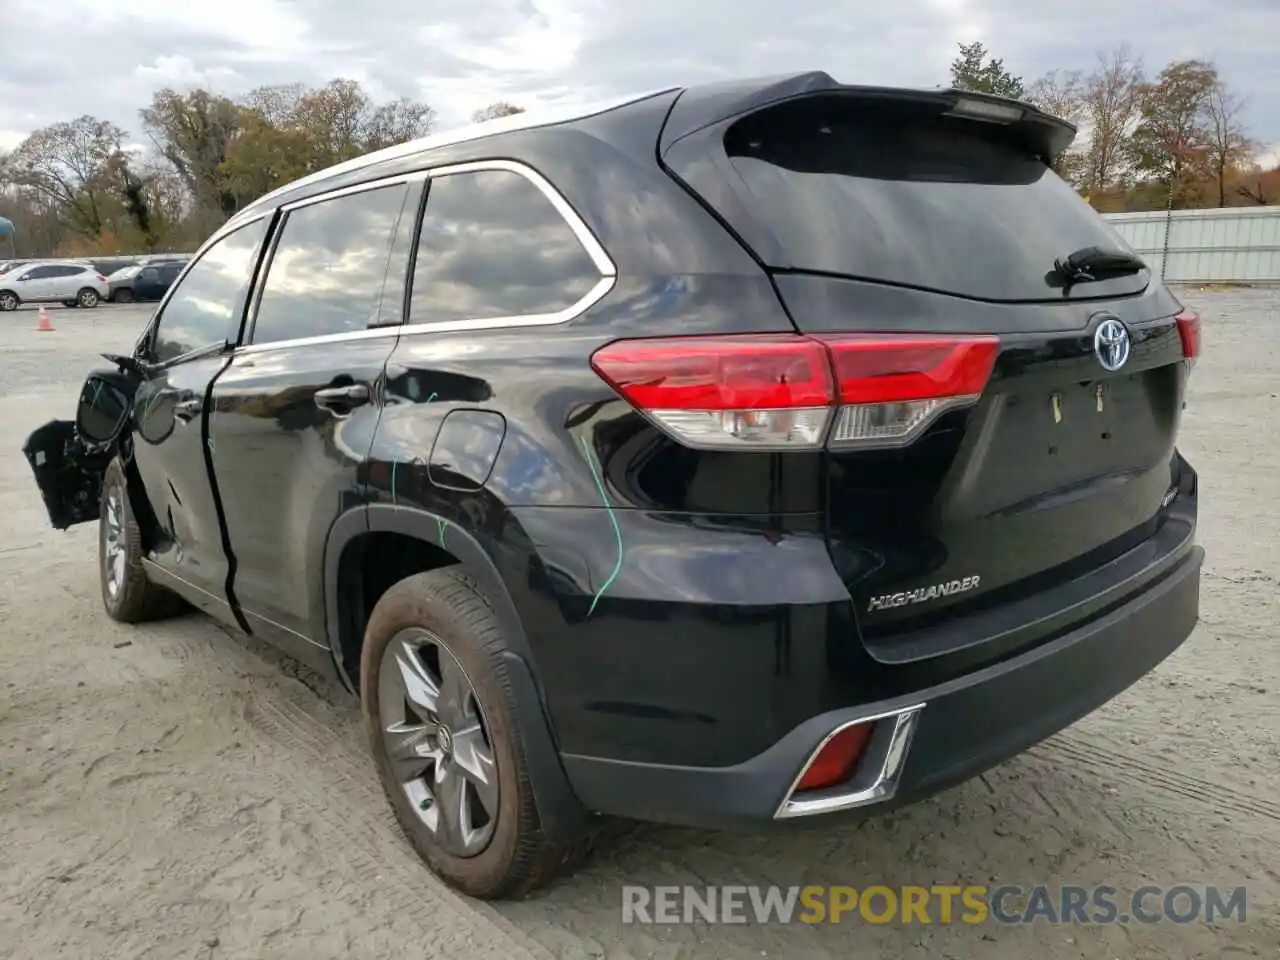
892	387
783	391
102	278
1189	331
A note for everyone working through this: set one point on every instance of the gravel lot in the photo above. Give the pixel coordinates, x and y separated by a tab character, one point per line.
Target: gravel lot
171	791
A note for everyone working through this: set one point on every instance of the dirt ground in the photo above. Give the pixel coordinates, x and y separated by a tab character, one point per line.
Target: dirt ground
171	791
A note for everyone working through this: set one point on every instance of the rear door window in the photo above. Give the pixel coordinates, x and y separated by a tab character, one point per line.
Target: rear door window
327	271
908	197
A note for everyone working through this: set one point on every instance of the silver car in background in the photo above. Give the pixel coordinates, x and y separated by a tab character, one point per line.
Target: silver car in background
55	281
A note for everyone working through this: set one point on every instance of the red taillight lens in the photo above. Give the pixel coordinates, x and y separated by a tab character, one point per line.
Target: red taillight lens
718	373
777	390
898	369
1189	331
102	278
836	760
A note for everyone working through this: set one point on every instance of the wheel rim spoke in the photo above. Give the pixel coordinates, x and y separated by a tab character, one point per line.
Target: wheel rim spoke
474	760
420	687
455	693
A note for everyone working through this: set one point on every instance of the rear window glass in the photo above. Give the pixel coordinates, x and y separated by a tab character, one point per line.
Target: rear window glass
926	201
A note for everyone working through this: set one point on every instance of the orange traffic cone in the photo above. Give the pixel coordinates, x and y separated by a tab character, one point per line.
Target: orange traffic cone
42	319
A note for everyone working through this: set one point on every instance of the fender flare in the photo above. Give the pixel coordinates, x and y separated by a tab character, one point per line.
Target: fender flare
425	526
561	814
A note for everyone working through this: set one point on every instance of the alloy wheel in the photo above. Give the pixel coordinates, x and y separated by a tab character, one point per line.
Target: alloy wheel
114	547
88	298
437	740
8	302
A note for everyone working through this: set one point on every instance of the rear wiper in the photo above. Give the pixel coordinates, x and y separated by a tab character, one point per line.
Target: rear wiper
1096	263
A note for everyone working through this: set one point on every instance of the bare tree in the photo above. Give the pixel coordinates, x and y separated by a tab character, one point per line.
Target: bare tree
1061	94
1229	147
73	167
494	110
1112	97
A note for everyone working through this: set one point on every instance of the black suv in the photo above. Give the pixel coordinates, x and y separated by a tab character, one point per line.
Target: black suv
730	454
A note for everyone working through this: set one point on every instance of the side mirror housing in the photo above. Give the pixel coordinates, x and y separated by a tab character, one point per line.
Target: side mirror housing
105	403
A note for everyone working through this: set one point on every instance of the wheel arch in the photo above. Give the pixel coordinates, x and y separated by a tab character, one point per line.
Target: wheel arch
423	526
560	811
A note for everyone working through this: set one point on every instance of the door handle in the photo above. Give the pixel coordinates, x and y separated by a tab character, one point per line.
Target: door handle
186	410
342	400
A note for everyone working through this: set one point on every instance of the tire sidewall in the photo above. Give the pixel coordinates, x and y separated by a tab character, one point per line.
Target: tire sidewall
486	868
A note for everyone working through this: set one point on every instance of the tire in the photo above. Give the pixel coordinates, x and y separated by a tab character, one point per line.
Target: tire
444	610
123	296
88	298
8	300
127	594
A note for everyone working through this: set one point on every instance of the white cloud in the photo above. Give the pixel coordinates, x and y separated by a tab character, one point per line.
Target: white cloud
460	56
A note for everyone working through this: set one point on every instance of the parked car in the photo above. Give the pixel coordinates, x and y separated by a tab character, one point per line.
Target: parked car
54	281
153	279
761	451
120	284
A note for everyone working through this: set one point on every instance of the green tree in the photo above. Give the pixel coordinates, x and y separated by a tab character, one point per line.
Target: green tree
1171	143
192	132
975	69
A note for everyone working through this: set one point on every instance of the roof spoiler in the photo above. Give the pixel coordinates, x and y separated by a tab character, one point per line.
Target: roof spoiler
703	106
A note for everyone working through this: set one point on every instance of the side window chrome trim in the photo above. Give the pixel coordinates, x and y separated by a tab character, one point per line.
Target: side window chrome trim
594	295
595	250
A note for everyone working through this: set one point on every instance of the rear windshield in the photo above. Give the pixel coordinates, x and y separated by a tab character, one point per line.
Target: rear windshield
904	196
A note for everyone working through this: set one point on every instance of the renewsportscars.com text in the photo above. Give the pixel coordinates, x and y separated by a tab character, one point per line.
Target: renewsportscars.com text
936	904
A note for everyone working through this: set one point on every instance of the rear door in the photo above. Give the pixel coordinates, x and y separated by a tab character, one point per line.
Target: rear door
295	412
1001	429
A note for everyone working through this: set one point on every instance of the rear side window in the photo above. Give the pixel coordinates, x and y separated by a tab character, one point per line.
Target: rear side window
902	196
493	245
327	271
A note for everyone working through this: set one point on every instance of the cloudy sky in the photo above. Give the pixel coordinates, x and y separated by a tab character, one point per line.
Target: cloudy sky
62	58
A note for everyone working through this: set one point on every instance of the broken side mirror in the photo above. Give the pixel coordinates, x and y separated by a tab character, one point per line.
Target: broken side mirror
105	402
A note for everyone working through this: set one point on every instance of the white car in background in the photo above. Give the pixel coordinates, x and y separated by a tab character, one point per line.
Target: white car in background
55	281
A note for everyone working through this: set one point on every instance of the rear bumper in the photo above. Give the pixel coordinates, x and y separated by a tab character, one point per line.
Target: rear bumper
944	734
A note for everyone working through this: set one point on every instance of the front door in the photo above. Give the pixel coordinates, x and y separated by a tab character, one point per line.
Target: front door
38	283
296	411
190	345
